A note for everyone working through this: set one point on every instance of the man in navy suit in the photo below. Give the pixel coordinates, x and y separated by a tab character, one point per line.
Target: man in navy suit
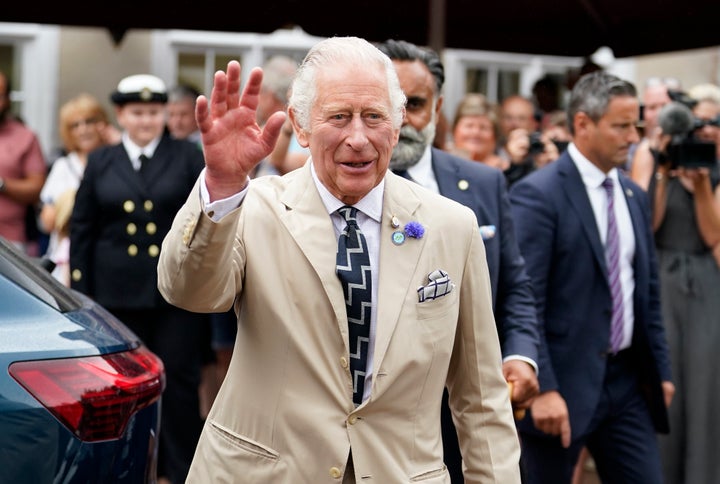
483	189
608	394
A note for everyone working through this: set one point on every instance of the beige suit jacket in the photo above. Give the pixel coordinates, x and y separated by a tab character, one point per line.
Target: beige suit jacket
285	412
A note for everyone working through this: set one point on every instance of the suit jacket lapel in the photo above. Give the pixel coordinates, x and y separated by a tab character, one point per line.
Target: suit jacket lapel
157	166
398	262
123	167
579	201
638	221
310	226
447	177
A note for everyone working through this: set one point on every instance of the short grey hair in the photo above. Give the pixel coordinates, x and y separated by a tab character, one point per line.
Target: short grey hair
341	50
592	95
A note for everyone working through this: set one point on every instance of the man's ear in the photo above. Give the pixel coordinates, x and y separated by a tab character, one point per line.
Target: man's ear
300	134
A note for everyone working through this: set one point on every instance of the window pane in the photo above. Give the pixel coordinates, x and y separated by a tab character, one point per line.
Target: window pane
508	83
191	70
221	60
476	80
8	62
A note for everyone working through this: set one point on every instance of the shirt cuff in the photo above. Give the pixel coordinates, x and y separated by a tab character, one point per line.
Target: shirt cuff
527	360
219	208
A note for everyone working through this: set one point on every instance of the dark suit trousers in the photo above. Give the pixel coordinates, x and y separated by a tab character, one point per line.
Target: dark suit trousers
620	437
176	336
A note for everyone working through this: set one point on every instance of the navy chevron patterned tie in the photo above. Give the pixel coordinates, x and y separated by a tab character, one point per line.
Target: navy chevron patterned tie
353	270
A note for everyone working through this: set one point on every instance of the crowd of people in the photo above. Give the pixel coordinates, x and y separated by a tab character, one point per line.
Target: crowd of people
577	320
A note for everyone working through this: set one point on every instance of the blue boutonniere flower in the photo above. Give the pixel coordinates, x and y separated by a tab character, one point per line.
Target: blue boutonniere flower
414	229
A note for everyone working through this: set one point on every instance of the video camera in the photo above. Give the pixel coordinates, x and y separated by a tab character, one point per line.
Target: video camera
685	150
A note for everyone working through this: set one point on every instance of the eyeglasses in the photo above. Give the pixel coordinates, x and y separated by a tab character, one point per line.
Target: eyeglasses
669	82
84	122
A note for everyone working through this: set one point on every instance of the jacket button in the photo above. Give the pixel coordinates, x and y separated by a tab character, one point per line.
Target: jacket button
352	419
76	275
131	228
153	250
128	206
148	205
151	228
335	473
132	250
343	362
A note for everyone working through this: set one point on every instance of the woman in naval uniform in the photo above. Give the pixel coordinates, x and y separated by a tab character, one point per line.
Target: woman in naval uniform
124	206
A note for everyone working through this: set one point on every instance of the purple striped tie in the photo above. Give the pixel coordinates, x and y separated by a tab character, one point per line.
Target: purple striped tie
612	257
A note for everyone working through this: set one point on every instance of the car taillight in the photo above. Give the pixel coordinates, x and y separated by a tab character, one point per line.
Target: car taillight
94	396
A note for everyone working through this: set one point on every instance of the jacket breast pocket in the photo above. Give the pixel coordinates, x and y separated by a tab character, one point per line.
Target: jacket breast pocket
439	307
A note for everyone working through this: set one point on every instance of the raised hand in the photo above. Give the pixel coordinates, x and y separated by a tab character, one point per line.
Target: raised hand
233	143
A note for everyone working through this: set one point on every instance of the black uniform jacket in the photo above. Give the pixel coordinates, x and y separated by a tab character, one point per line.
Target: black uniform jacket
121	217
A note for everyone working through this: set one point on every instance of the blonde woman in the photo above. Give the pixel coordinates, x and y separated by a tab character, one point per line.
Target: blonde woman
83	127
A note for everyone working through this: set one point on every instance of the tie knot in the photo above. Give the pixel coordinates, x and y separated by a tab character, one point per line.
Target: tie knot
348	213
607	184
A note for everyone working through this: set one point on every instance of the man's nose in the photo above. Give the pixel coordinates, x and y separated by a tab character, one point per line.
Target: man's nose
357	136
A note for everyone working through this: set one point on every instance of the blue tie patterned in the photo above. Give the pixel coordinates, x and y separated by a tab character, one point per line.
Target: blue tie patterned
612	257
353	270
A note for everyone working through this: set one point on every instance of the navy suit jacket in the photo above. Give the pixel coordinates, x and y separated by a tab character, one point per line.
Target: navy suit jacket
559	239
483	189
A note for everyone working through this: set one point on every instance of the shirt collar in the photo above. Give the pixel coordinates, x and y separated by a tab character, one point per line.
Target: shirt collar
591	175
370	204
422	170
134	151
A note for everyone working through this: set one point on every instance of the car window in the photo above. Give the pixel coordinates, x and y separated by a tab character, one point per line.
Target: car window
28	274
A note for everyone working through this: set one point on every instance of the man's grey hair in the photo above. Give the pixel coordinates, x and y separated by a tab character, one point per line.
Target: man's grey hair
348	51
592	95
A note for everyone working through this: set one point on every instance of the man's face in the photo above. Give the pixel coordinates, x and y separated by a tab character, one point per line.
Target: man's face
181	118
654	98
418	130
143	122
606	143
351	133
517	113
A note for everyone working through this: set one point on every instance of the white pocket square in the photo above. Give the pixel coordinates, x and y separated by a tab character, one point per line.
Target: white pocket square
439	285
487	231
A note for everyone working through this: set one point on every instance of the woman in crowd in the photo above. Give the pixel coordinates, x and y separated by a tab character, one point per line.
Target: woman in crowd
83	127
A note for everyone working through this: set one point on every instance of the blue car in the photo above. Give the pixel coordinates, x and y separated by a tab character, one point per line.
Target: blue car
79	393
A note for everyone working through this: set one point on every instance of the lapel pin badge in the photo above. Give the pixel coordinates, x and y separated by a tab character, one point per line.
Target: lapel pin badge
463	185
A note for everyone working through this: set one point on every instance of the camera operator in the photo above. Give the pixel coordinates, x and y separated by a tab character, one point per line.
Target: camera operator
528	151
686	220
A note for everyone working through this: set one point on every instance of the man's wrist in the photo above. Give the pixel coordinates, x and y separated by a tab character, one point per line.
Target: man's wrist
2	185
